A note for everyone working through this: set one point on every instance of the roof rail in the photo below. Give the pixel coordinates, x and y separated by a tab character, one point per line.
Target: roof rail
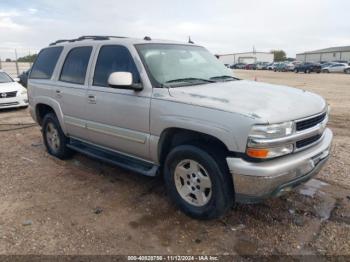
85	37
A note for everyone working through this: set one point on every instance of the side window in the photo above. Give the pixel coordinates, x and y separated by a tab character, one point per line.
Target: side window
45	63
75	65
113	58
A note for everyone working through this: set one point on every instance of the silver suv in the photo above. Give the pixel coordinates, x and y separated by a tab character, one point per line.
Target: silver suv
161	107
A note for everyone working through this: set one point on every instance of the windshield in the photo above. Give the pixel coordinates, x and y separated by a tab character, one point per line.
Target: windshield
5	78
174	64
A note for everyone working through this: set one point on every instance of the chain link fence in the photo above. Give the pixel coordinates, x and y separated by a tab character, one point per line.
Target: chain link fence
14	68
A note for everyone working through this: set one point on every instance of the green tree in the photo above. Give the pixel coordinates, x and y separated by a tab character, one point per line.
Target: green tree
279	55
27	58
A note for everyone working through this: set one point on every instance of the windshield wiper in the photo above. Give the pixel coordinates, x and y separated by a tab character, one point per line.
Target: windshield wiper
223	77
190	79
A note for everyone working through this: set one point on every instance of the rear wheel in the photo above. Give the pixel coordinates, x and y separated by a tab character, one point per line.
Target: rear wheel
347	71
296	71
199	184
54	139
307	71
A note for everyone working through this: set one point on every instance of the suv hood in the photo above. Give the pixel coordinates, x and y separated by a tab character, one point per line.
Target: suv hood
270	103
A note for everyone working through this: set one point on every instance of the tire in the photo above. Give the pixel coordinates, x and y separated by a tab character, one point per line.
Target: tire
209	170
296	71
347	71
326	71
307	71
54	139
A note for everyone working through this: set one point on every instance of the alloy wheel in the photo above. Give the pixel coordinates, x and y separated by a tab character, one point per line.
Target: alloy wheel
52	137
193	183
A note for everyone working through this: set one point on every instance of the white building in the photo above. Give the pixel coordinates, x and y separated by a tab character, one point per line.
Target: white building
247	58
341	53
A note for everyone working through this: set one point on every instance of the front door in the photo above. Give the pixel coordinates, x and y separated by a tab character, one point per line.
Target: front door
118	118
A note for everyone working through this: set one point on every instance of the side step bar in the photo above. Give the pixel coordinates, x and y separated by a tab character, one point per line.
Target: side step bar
114	158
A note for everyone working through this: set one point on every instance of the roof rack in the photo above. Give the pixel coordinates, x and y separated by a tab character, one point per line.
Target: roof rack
86	37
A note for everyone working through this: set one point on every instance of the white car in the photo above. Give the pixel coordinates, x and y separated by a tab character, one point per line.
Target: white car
337	67
12	94
272	66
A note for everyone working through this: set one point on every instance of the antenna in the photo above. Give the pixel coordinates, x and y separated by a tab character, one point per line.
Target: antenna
190	41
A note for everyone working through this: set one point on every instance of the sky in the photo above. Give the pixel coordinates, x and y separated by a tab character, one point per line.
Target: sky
222	26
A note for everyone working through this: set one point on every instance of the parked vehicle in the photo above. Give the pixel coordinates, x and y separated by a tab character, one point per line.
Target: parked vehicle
271	66
336	68
327	64
250	67
262	65
238	66
23	78
308	68
290	66
150	107
12	94
280	67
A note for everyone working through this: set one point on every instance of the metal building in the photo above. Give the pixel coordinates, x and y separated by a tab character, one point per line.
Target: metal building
341	53
247	58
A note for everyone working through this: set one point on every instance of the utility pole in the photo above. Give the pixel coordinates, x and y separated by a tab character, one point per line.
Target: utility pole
30	63
17	69
0	64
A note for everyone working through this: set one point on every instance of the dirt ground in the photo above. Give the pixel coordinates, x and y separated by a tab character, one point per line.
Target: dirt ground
83	206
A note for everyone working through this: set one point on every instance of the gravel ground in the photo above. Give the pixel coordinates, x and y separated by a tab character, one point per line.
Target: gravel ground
82	206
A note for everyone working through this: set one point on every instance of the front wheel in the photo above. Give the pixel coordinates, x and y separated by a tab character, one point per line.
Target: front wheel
347	71
199	184
296	71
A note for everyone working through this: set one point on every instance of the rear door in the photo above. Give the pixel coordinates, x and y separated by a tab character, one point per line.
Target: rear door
118	118
71	90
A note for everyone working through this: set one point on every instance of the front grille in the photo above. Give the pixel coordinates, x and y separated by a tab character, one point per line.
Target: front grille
8	104
307	141
305	124
8	94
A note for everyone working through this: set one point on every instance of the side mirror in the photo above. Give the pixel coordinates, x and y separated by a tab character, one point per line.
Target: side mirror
123	80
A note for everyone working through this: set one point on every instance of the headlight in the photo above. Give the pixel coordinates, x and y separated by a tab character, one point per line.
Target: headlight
264	132
272	131
24	92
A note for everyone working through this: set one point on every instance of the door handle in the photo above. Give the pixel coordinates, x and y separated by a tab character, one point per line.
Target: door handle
92	99
58	93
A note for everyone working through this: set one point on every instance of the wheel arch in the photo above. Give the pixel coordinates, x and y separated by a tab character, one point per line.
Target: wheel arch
174	136
44	106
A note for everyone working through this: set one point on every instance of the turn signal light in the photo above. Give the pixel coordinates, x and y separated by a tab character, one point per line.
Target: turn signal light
257	152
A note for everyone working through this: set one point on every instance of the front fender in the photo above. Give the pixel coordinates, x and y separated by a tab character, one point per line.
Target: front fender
230	128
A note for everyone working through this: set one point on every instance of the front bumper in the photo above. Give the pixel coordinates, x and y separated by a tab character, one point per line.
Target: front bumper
18	101
254	182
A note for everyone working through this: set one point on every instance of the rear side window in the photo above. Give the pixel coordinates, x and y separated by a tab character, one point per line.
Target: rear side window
113	58
75	66
45	63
